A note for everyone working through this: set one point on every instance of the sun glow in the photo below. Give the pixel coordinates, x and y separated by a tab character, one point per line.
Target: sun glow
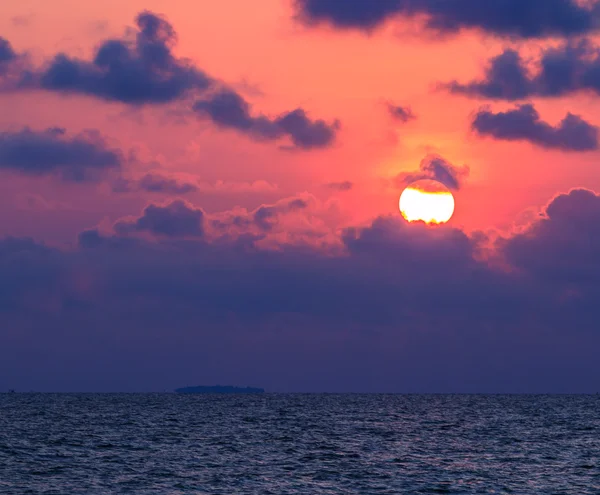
427	201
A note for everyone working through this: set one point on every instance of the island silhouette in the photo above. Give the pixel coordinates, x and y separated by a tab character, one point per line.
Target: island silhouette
219	389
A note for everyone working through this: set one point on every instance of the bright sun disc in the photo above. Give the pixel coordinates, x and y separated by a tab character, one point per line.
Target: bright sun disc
428	201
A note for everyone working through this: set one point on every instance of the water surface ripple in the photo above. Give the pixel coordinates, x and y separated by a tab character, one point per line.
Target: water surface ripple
298	444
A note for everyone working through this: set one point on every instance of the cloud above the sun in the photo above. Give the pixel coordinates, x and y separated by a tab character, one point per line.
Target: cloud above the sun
571	67
434	167
523	123
506	18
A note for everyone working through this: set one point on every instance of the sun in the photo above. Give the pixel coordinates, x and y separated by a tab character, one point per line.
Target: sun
428	201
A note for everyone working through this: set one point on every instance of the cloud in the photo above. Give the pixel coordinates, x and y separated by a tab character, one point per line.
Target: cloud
159	183
154	183
388	249
400	113
227	109
139	71
416	308
340	186
264	218
27	266
306	133
523	123
82	157
7	54
175	219
90	239
505	78
510	18
9	62
265	215
568	68
561	247
435	168
163	184
144	71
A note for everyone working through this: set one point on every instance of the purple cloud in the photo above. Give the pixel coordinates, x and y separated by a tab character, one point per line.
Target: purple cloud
176	219
561	247
436	168
137	72
7	54
144	71
229	110
82	157
154	183
568	68
411	304
400	113
523	123
263	218
510	18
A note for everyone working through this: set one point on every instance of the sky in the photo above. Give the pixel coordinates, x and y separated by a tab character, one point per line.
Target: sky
207	193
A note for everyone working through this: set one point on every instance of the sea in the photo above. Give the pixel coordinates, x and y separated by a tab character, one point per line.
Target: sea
299	444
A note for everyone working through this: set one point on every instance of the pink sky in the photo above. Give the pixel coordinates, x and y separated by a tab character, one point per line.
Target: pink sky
277	65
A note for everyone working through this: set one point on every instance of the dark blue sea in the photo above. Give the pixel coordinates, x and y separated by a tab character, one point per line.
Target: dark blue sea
299	444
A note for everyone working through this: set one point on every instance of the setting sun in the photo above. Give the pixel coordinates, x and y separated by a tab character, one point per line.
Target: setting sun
427	201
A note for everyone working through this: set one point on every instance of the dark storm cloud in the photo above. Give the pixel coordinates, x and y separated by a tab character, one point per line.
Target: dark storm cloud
418	308
229	110
78	158
524	124
436	168
568	68
27	265
439	248
513	18
401	114
176	219
143	70
562	246
359	285
340	186
90	239
93	238
154	183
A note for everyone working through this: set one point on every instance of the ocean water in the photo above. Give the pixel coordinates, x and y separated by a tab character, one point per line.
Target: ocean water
298	444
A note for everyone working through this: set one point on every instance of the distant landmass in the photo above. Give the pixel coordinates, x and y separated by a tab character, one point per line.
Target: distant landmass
219	389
